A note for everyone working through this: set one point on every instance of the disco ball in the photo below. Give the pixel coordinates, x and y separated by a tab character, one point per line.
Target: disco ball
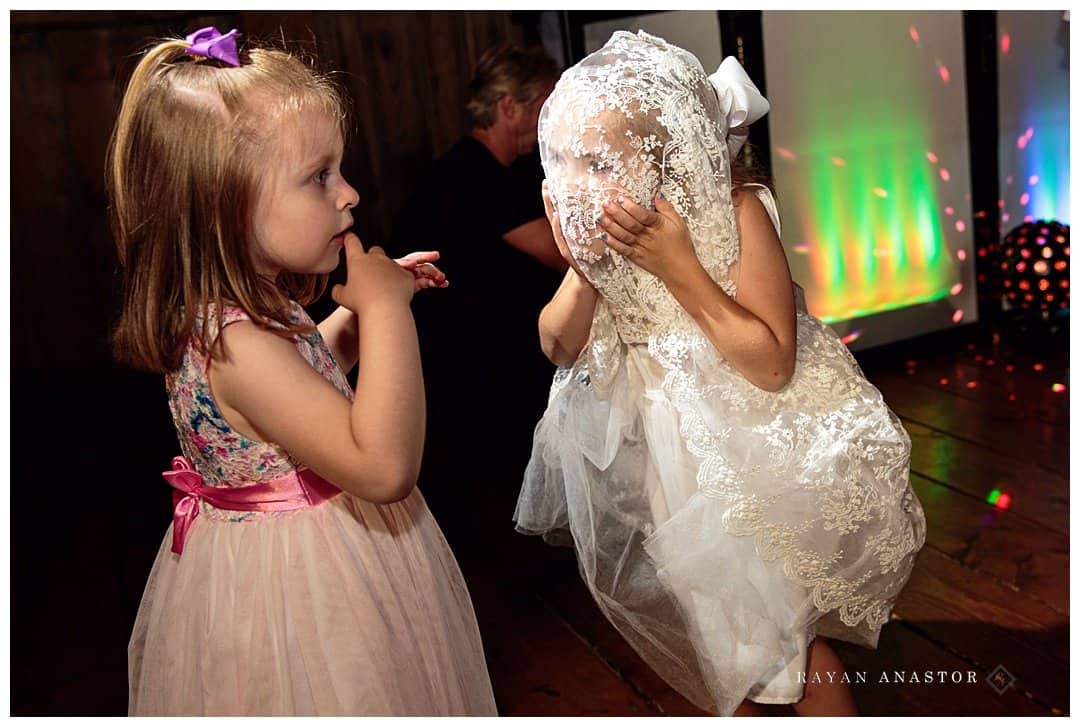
1035	266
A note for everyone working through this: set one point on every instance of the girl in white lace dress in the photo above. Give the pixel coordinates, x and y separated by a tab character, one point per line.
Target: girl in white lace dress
731	482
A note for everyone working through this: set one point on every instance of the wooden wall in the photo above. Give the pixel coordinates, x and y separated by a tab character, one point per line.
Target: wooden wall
406	73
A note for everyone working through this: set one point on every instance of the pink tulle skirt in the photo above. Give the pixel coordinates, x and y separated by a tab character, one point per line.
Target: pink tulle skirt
346	608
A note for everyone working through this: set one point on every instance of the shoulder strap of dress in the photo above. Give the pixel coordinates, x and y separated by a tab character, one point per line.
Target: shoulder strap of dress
768	201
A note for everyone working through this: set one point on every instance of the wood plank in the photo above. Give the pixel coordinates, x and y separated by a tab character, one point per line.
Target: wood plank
538	666
989	624
567	596
1037	493
1042	445
1023	556
1022	393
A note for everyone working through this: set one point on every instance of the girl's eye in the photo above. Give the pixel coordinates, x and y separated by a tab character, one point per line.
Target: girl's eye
599	167
320	176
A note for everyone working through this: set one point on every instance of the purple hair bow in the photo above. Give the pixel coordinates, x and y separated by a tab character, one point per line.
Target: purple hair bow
210	43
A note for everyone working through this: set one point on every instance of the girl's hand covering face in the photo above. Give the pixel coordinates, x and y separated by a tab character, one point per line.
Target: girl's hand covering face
658	242
425	275
556	229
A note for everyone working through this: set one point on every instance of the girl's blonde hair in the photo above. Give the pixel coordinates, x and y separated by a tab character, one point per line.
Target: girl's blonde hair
183	174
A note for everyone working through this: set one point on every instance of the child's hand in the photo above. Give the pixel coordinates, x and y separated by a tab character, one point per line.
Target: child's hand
371	277
556	231
425	275
655	241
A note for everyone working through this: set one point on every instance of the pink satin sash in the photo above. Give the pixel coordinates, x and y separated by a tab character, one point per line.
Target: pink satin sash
293	491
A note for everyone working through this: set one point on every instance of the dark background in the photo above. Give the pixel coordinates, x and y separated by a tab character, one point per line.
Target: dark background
89	437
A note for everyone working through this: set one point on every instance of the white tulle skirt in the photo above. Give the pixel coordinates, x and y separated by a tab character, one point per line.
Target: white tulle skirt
345	608
719	526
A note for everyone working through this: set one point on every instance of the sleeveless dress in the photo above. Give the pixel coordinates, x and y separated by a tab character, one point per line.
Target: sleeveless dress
718	526
342	608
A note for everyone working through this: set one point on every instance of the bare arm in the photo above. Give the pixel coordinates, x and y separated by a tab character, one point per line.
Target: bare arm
565	322
757	333
535	238
371	446
340	333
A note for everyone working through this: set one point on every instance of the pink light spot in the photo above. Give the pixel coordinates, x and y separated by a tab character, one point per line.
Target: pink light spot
961	255
839	162
1012	397
1004	216
882	252
1009	179
1001	204
972	384
949	210
913	33
1028	218
1058	388
1038	367
955	290
851	337
944	173
1003	501
1033	180
932	157
1006	41
944	73
802	249
1025	198
786	153
960	226
958	316
943	382
880	192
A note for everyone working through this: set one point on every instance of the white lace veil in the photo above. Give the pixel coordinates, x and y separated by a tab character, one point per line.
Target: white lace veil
637	117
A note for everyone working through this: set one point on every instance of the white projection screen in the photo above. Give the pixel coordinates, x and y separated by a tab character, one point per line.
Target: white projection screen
698	31
870	157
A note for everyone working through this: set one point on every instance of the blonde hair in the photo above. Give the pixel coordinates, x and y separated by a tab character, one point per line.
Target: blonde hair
183	174
507	70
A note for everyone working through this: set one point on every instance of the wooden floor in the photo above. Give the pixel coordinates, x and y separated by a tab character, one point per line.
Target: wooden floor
989	590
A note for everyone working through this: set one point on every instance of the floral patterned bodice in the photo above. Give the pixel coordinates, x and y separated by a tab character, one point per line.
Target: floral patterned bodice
222	455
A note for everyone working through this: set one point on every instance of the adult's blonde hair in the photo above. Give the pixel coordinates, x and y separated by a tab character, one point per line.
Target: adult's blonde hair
524	74
183	174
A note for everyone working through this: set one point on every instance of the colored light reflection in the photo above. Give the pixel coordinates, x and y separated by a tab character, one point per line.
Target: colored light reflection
863	182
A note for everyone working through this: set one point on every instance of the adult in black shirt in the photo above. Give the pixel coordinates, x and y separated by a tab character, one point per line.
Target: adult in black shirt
485	375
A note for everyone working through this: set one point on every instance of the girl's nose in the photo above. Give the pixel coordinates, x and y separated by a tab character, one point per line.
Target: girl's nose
349	197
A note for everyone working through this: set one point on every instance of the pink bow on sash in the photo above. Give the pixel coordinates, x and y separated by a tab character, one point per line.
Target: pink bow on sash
292	491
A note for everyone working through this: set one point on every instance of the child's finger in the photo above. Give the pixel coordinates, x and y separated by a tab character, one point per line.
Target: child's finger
614	229
620	215
375	250
416	258
665	208
639	213
352	244
620	247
